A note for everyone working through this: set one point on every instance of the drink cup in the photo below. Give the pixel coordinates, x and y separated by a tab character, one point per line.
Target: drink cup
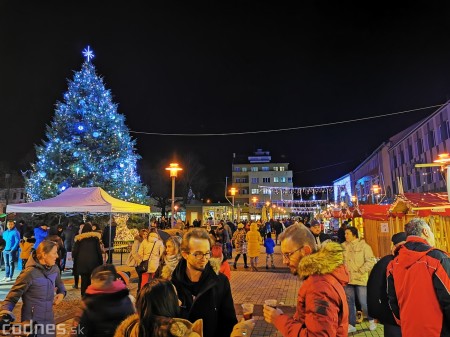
247	310
271	303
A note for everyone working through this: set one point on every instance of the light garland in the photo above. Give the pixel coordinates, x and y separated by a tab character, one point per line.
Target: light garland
299	190
293	203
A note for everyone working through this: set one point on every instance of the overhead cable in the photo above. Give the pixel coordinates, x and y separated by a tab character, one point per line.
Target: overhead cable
283	129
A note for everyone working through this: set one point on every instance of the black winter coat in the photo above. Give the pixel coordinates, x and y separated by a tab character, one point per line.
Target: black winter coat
103	312
377	300
86	252
213	302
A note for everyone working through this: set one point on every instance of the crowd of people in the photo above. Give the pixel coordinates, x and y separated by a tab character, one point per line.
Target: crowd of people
184	282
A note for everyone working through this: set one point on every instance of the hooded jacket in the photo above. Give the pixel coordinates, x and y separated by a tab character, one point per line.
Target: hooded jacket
359	259
167	327
322	308
419	289
25	248
254	241
36	286
39	234
208	299
86	252
104	307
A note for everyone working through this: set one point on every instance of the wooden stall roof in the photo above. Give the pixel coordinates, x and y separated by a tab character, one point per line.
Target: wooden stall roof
424	204
375	212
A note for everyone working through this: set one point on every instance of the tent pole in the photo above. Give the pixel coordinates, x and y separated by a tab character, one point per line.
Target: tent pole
110	242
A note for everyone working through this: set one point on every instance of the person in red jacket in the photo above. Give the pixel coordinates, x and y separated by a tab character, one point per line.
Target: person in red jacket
322	308
418	284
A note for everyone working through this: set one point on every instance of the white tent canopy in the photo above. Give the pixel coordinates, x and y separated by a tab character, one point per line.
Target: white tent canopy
80	200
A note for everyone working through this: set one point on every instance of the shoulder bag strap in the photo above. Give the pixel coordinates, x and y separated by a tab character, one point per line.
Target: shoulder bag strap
154	243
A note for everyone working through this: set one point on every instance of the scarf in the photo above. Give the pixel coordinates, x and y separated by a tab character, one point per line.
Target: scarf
170	262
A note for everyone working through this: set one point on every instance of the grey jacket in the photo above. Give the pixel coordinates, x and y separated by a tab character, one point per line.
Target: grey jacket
36	286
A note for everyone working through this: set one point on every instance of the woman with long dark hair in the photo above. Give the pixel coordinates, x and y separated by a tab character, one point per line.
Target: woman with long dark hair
157	308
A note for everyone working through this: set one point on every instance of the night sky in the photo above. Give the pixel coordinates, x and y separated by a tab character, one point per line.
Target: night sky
204	67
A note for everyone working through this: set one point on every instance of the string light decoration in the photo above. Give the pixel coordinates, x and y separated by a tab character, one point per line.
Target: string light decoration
298	190
88	144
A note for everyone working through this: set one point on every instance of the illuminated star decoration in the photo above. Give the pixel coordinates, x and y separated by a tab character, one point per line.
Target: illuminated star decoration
88	53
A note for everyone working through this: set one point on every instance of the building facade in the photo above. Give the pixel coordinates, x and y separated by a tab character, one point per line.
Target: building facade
13	195
249	178
421	144
390	169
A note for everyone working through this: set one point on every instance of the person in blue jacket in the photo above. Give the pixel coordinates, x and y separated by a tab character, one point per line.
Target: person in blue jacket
40	233
12	239
269	243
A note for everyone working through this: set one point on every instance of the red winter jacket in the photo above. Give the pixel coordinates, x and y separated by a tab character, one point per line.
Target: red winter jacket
322	308
419	289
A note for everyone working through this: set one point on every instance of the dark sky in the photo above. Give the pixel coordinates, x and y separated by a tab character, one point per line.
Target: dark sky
204	67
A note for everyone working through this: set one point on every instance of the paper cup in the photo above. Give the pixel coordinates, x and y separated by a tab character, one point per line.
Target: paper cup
247	310
271	303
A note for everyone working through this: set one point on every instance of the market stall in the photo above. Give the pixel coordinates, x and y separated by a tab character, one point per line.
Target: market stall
433	207
378	227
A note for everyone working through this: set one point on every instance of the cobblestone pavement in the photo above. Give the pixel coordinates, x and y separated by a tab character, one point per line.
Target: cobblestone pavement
246	286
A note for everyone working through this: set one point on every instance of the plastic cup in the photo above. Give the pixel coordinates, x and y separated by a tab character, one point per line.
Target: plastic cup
271	303
247	310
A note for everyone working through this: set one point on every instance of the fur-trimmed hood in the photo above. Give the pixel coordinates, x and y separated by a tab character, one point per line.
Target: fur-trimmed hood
177	327
325	261
87	235
215	263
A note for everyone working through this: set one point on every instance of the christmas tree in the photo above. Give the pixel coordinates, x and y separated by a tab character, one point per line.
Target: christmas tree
88	144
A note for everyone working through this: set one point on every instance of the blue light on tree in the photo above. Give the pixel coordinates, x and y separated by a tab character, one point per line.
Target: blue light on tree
81	158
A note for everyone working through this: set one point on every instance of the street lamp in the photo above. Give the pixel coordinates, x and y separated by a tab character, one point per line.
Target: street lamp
254	200
233	191
355	200
376	190
173	168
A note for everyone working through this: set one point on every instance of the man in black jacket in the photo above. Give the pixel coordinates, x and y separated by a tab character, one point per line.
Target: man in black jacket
203	293
319	235
377	300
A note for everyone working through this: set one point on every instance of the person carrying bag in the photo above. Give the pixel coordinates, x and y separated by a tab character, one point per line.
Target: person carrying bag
150	262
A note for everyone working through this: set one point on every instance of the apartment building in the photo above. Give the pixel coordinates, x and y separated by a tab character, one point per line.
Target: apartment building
248	177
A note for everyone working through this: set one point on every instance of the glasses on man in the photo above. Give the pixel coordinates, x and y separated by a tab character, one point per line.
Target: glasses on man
199	255
287	256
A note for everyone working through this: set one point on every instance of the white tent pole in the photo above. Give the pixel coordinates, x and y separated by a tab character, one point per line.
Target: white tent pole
110	242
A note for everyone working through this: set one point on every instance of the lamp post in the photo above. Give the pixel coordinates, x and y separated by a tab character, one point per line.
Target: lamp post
267	209
7	185
254	200
233	191
376	190
173	169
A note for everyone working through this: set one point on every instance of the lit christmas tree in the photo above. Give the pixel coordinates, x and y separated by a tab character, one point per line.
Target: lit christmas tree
88	144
